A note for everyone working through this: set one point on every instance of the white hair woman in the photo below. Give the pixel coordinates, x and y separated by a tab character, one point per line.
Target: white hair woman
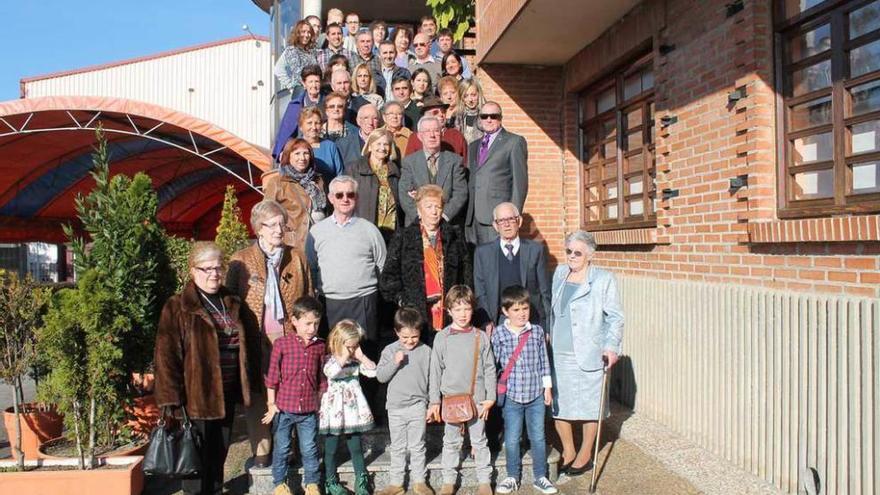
587	330
268	276
202	362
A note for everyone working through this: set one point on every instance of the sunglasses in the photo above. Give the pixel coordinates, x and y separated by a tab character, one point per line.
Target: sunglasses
487	116
347	194
420	44
576	254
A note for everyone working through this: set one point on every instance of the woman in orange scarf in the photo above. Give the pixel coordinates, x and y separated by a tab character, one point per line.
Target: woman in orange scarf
425	259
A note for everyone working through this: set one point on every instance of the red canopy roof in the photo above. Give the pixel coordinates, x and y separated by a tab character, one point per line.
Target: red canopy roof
45	159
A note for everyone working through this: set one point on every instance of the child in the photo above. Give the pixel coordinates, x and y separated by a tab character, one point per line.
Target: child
294	385
524	388
344	409
405	366
452	371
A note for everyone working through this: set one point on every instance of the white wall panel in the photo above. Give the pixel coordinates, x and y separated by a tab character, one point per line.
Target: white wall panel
223	78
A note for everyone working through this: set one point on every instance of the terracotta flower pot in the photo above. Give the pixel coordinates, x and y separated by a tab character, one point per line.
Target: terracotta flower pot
127	478
135	450
37	427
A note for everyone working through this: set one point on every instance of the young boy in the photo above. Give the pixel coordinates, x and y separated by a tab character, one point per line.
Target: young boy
294	386
452	367
405	366
526	378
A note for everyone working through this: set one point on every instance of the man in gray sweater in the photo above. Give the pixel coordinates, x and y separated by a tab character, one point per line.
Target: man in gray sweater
346	255
404	366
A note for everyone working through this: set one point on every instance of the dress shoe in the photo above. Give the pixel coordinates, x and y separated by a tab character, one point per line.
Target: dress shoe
577	471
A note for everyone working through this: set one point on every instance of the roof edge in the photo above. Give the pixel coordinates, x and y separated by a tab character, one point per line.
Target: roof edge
129	61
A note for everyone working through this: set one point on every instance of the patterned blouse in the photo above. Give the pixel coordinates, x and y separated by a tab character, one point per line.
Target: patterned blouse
386	216
289	65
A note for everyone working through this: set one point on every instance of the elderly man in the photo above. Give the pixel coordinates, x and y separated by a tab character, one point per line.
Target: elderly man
451	140
402	91
388	70
364	53
340	82
423	59
498	173
392	115
346	255
335	46
506	261
432	166
352	144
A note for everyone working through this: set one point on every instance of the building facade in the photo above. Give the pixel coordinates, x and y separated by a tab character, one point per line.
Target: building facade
725	155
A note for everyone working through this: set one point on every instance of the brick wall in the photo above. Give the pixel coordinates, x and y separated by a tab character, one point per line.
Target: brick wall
708	233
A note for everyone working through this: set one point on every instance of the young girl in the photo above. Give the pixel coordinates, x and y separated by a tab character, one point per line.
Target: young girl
344	409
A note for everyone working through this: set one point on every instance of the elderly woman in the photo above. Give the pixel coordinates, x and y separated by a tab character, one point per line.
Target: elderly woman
393	115
299	54
311	77
377	175
587	329
268	276
425	259
299	188
365	86
203	361
328	160
467	118
336	126
447	89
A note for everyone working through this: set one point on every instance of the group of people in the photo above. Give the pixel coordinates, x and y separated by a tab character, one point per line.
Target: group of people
389	284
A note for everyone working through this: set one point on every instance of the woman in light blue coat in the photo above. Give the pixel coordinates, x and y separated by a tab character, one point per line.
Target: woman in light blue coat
587	326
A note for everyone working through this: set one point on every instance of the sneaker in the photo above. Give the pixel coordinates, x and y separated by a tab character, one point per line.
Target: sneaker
509	485
282	489
312	489
422	489
544	485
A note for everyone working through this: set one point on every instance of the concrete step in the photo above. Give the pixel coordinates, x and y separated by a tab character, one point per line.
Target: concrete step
375	445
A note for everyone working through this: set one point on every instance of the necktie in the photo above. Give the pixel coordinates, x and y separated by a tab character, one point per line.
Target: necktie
484	150
432	167
509	248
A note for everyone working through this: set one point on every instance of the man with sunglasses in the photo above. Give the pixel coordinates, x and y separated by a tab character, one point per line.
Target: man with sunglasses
346	255
498	173
424	59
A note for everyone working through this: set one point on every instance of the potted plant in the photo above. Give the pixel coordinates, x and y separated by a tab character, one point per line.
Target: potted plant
22	305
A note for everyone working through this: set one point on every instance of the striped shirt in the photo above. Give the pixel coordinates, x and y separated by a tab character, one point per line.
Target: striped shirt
531	373
229	343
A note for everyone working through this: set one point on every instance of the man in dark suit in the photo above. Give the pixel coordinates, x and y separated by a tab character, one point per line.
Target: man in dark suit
510	260
431	165
498	173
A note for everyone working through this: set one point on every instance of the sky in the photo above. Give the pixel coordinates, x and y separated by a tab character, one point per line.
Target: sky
42	36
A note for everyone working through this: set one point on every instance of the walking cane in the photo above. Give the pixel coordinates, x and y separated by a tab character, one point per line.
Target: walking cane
599	428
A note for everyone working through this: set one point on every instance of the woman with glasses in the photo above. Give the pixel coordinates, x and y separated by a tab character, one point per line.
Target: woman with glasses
297	55
393	116
336	126
268	276
587	330
424	260
203	361
377	175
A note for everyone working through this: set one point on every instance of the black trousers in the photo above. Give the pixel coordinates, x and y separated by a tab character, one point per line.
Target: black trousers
365	311
216	436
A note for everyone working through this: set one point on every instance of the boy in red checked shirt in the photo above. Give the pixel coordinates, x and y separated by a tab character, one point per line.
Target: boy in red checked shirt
295	383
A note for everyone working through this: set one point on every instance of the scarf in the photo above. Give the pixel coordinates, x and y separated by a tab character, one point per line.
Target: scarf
433	268
272	295
307	180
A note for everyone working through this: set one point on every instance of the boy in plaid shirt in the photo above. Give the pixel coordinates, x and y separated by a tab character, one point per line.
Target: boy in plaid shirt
295	383
524	388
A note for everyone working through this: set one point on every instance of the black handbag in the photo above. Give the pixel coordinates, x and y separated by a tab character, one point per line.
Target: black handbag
173	451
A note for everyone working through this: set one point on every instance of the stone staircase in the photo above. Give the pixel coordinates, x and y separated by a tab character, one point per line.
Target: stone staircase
375	443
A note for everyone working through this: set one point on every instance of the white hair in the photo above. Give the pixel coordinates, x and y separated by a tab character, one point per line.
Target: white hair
582	236
342	179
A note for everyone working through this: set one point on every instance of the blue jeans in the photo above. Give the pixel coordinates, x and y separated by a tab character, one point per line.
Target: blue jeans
533	413
307	432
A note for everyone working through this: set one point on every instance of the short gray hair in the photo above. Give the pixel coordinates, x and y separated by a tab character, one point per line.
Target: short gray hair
582	236
427	118
499	205
342	179
265	210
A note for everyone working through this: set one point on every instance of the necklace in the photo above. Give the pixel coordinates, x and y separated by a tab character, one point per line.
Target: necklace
214	306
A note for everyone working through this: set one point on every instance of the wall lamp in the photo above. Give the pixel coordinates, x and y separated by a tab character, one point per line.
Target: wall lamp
668	120
734	7
669	194
736	95
247	29
739	181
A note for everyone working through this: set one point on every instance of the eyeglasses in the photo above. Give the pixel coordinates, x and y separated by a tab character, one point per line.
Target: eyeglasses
338	106
273	226
420	44
502	221
487	116
210	269
346	194
576	254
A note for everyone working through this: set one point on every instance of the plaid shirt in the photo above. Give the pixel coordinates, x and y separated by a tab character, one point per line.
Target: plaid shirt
531	373
295	373
325	54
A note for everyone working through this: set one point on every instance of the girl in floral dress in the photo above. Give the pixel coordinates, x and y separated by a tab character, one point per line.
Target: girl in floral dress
344	412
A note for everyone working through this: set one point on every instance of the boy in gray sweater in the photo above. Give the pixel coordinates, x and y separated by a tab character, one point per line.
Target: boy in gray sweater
405	366
452	366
